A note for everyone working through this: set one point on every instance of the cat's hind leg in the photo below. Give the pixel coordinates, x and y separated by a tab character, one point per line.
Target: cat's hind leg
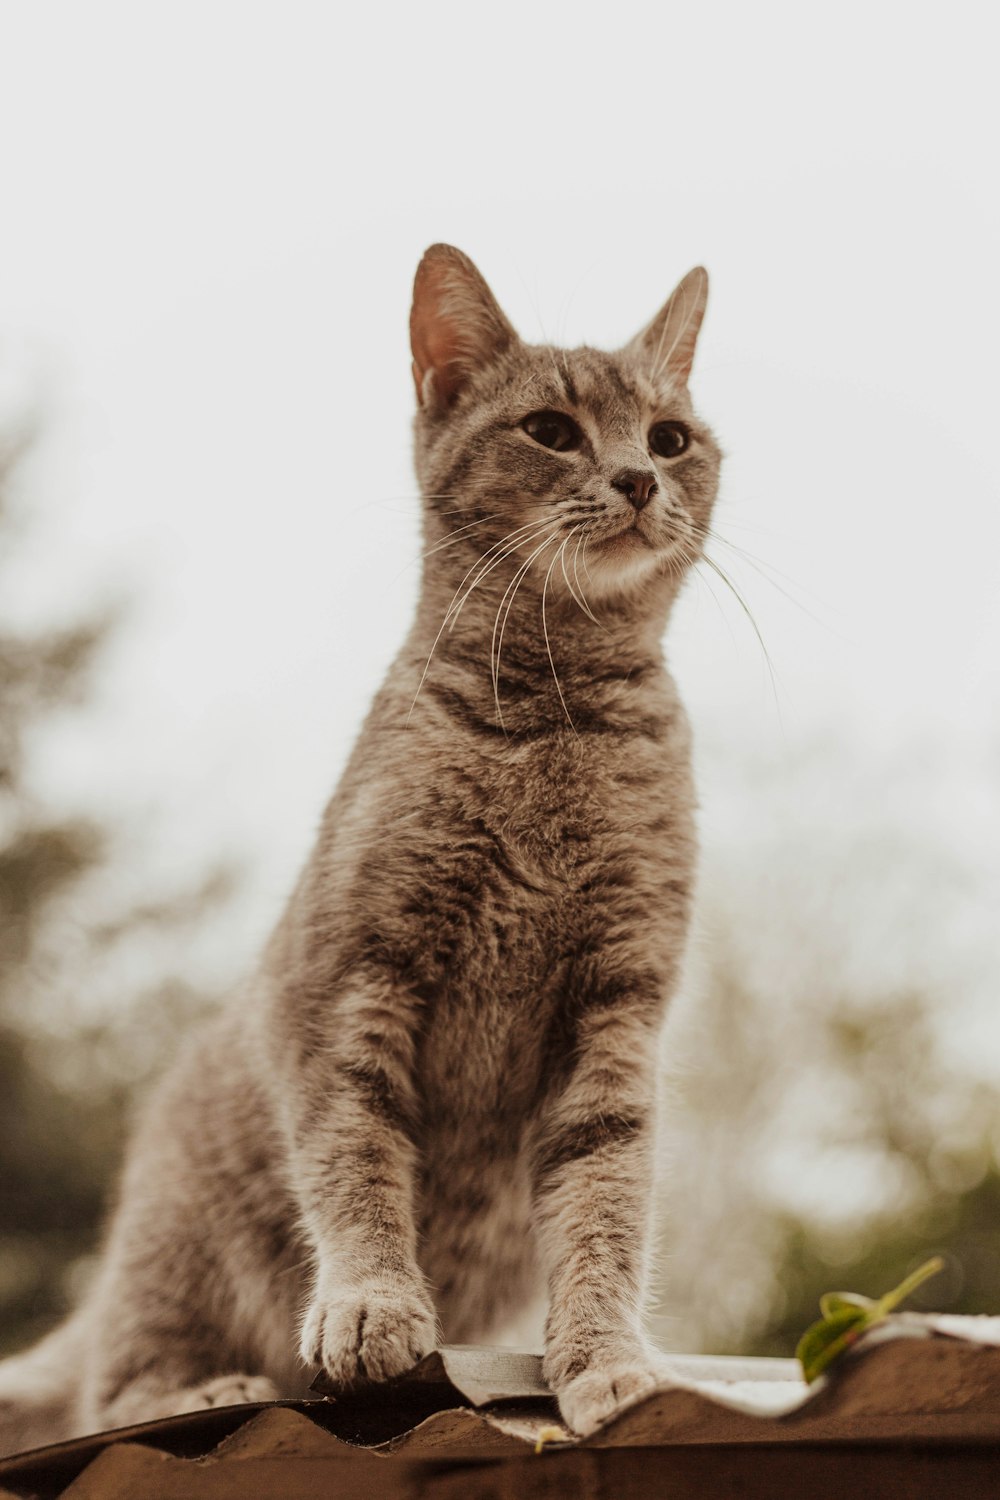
159	1348
148	1400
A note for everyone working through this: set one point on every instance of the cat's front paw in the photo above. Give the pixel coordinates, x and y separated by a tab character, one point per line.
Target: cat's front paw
368	1333
591	1398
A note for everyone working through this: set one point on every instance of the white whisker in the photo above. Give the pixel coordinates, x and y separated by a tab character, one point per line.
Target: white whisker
496	645
744	606
548	644
451	607
533	530
452	536
581	601
766	570
583	559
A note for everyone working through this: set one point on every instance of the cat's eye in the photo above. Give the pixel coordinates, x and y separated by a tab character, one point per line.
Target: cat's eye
552	430
669	439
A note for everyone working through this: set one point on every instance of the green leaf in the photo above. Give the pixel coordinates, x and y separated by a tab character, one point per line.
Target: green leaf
823	1341
832	1303
847	1315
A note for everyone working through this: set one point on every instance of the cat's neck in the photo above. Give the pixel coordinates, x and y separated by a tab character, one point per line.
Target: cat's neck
525	668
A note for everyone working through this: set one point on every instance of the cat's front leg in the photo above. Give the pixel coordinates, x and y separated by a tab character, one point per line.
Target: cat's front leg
354	1162
593	1198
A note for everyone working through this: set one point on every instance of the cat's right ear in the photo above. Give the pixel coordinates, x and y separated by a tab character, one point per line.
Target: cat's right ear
456	325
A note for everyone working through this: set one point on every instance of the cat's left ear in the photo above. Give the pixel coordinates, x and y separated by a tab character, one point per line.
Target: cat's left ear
456	325
667	344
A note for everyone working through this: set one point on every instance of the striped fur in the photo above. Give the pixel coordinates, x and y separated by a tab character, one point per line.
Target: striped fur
431	1108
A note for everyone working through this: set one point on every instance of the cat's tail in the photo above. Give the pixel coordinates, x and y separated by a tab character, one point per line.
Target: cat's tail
38	1390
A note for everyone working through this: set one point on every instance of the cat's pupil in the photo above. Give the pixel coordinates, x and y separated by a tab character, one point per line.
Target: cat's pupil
552	430
668	439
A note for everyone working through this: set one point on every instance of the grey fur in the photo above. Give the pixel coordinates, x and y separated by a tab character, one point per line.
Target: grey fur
433	1104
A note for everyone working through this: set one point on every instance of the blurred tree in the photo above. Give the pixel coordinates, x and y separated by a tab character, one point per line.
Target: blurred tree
61	1126
931	1132
831	1121
51	1167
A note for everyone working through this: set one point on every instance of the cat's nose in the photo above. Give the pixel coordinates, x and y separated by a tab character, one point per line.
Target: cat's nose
637	485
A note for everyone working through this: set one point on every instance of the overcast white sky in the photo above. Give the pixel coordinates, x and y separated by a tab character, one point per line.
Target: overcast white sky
210	215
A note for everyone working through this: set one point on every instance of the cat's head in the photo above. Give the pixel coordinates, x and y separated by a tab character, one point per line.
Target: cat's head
591	460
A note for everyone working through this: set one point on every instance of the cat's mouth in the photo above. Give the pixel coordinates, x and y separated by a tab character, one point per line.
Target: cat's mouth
632	535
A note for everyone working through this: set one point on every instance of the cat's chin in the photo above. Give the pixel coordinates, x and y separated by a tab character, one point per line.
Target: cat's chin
627	557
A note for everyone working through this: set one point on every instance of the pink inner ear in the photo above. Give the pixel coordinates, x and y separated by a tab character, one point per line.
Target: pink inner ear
433	336
455	324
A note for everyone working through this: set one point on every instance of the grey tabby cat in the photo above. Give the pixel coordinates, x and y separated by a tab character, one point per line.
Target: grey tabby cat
433	1104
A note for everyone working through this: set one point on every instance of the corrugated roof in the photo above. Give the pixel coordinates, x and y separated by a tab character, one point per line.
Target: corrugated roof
912	1409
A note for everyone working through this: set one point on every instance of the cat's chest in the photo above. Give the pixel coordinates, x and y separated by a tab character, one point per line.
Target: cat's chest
576	793
558	861
528	854
590	808
479	1060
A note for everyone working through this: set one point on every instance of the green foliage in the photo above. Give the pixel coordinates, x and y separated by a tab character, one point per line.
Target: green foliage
828	1123
847	1315
962	1227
